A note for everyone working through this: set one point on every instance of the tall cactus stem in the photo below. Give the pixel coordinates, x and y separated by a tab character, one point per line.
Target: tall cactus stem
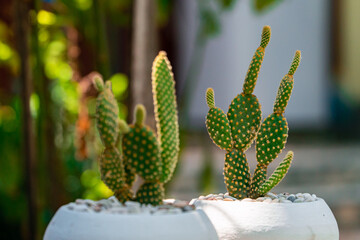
165	106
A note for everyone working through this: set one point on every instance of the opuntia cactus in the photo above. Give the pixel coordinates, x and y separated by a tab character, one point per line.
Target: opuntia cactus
140	152
236	131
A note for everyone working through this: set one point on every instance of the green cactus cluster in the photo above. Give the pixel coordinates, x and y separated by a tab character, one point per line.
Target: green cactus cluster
241	126
135	149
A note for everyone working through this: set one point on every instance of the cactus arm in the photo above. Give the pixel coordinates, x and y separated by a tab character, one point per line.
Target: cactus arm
111	165
237	174
112	173
255	65
217	123
286	86
210	97
277	175
273	132
107	112
295	63
165	114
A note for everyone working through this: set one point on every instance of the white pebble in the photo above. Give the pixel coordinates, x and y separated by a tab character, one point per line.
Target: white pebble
248	200
307	195
310	199
132	204
169	201
299	195
260	199
271	195
193	201
285	201
230	197
269	200
209	196
299	200
276	200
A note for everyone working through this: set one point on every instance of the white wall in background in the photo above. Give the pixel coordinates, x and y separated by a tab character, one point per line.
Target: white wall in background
302	25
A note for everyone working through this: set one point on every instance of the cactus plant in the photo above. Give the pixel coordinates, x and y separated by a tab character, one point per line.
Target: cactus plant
241	126
135	150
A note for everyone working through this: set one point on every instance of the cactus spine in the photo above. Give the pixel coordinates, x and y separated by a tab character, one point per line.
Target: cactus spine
140	152
237	130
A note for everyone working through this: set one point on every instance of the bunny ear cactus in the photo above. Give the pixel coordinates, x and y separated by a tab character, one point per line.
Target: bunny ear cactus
236	131
141	152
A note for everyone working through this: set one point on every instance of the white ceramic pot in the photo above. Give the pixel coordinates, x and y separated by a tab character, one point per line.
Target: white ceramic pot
271	221
75	225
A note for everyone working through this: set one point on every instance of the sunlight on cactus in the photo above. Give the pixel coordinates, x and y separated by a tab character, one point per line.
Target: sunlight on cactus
241	126
135	149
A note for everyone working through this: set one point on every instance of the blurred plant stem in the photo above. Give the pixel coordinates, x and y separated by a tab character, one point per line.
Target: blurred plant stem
144	48
22	28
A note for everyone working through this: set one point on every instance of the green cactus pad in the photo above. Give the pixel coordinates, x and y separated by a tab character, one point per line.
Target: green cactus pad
141	152
244	116
283	95
271	138
236	174
112	173
150	193
258	179
277	175
255	65
107	112
218	128
165	114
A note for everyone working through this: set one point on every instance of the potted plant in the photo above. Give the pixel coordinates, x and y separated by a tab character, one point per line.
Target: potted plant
249	210
131	150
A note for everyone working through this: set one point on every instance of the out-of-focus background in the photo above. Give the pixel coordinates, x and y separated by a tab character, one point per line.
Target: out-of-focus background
51	49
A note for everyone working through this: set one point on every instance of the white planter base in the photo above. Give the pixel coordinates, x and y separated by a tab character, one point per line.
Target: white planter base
74	225
271	221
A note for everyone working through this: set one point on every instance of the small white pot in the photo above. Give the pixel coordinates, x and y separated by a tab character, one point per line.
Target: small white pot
75	225
271	221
